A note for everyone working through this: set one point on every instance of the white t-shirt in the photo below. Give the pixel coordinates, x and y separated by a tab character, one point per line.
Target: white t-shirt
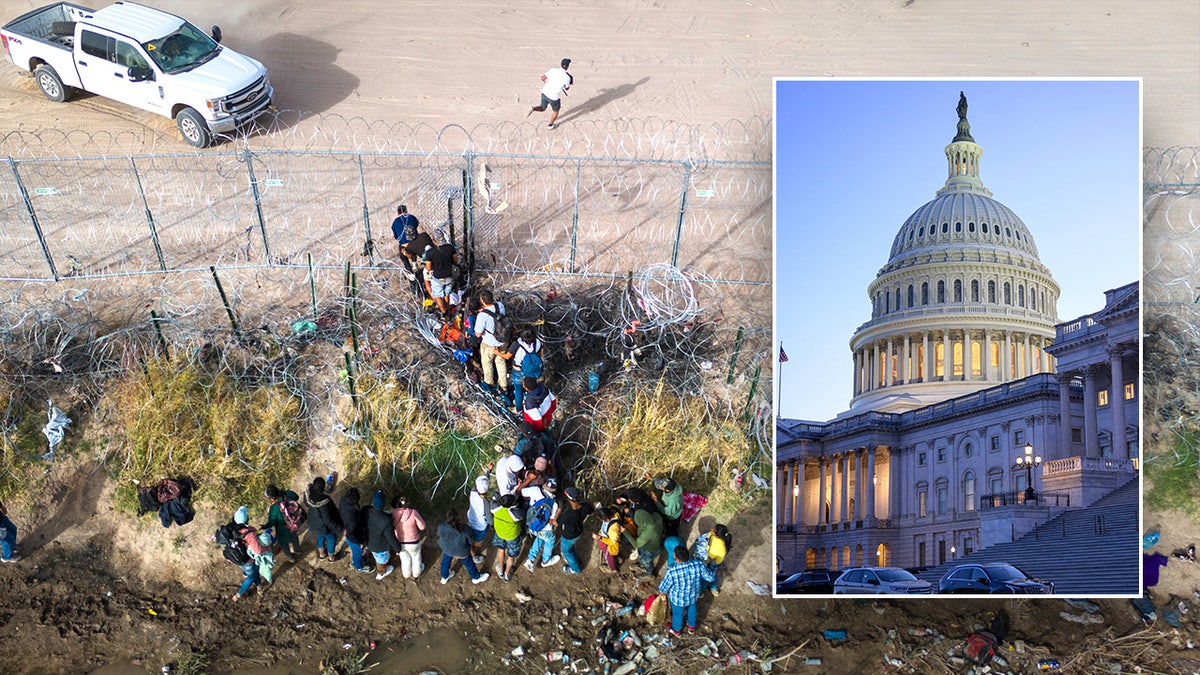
478	515
557	81
507	470
485	325
535	494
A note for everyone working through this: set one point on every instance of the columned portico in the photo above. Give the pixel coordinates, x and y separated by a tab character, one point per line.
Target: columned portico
1116	402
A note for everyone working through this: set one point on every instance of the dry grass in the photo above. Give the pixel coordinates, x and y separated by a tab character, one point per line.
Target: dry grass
232	437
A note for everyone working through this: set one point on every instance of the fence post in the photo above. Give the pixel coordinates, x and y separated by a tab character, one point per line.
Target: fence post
369	247
687	180
469	210
162	264
262	223
237	333
37	227
162	341
312	286
575	216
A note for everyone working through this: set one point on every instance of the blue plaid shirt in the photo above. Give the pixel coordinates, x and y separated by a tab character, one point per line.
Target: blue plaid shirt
682	582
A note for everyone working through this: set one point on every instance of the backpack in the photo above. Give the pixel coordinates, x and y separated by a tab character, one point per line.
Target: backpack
235	552
502	327
531	365
539	514
253	544
226	533
293	514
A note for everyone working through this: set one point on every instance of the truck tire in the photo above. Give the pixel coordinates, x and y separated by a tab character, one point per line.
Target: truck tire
51	84
193	128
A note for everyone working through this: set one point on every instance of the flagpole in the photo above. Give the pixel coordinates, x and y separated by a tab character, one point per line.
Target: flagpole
779	396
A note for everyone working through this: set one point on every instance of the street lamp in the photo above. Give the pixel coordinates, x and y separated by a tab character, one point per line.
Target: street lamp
1029	461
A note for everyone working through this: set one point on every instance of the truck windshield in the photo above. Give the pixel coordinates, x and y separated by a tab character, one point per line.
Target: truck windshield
184	49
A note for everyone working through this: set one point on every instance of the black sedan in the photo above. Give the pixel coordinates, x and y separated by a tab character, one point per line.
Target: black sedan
817	581
992	578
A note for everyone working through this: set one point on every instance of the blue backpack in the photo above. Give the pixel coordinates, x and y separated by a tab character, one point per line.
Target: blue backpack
539	514
531	365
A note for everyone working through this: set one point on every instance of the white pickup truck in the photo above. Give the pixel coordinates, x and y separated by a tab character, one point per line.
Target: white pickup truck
143	57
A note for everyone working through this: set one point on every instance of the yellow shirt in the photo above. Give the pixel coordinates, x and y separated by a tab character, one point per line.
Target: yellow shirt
716	549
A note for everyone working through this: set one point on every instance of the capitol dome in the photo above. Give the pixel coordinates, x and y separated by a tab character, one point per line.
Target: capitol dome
963	302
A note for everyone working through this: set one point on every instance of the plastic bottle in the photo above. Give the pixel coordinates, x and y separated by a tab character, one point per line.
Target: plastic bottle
554	655
593	382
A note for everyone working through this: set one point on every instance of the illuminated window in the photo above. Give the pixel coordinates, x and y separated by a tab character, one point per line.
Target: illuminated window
995	354
968	491
921	361
976	359
1130	391
922	503
1102	397
958	359
939	359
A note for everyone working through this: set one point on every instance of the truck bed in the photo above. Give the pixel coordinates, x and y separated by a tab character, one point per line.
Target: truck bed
52	24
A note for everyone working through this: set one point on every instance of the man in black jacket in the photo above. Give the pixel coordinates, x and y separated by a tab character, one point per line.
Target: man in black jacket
571	521
354	529
381	537
323	518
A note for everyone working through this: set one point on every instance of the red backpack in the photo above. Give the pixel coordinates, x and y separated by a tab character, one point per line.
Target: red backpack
293	514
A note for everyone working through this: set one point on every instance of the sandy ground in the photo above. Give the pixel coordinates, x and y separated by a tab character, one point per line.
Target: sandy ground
698	62
692	62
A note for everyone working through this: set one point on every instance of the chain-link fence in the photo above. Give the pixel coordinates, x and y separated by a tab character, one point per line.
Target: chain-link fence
574	213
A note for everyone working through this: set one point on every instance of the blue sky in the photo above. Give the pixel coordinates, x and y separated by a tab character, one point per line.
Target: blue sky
853	159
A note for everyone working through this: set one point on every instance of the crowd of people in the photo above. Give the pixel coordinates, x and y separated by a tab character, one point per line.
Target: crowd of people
516	509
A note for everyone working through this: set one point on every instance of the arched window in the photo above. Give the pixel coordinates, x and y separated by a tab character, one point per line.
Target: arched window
878	303
942	492
958	227
941	291
887	301
985	229
971	227
910	295
1020	295
1032	298
898	305
1007	294
958	290
924	292
958	359
992	292
974	290
945	228
968	491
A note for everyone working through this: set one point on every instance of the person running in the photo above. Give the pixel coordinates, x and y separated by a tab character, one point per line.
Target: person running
8	538
456	545
570	519
323	519
556	83
478	518
506	522
381	535
354	529
410	527
682	584
285	534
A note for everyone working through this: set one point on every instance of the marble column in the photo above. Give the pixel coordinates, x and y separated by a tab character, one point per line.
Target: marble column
876	376
1006	358
1028	370
927	360
985	359
896	505
887	365
858	485
1116	402
870	478
822	515
1064	416
1091	442
947	356
780	491
844	492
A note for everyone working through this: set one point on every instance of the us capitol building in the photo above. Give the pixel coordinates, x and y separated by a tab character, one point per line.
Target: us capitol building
962	364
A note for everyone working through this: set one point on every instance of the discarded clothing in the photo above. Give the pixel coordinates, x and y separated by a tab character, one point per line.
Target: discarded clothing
692	503
1151	562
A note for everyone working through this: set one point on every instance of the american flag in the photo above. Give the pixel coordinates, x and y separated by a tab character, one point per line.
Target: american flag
782	355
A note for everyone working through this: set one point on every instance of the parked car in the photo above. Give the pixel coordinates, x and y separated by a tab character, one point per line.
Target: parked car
992	578
880	580
815	581
144	57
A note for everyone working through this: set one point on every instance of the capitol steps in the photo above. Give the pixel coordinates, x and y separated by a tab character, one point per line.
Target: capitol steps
1092	551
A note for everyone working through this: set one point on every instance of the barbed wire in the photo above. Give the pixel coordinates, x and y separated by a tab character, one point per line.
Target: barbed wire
1173	170
644	138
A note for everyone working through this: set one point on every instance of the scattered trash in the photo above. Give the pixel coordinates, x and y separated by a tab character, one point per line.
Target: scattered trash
343	581
810	661
1150	539
759	589
517	652
1047	664
1084	619
834	635
304	326
55	429
347	646
625	610
151	612
892	661
556	655
522	598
